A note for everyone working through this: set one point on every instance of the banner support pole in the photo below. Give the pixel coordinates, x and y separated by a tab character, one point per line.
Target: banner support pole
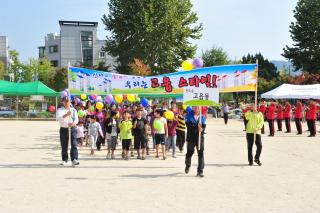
256	103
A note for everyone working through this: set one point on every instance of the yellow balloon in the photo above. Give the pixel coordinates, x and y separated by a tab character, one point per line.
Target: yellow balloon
187	65
118	98
184	107
169	115
131	98
150	102
99	105
83	96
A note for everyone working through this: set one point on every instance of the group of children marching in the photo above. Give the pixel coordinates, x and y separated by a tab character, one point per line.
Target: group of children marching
133	125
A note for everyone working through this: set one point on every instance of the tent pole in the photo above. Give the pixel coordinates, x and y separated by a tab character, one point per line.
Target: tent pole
56	106
17	107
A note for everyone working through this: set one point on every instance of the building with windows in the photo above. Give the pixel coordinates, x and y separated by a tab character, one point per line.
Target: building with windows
76	44
4	51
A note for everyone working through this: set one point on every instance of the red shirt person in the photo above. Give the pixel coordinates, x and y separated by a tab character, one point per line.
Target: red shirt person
279	116
298	116
287	116
311	118
270	116
263	109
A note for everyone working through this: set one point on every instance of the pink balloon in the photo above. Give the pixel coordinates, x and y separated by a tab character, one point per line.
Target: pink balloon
94	96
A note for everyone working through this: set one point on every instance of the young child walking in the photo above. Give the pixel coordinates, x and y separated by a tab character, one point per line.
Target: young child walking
94	130
139	133
125	127
181	129
80	133
161	132
111	134
172	136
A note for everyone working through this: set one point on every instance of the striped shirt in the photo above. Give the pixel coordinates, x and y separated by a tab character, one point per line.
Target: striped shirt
181	123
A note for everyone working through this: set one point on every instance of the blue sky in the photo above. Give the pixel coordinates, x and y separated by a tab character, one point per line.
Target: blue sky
239	26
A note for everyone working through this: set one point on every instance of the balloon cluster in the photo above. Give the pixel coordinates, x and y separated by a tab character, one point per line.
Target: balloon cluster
110	99
192	64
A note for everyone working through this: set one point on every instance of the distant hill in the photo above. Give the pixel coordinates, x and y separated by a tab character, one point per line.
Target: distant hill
285	65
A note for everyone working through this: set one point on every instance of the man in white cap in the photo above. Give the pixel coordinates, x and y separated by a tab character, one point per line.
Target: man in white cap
68	119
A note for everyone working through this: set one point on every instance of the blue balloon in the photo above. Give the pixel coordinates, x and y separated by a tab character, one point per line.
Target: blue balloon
90	98
189	109
145	102
72	97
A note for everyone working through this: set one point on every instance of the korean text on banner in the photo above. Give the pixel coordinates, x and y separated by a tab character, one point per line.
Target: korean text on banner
200	97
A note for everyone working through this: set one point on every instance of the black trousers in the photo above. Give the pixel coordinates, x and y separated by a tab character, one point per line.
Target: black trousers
250	138
271	126
64	140
225	117
288	125
100	141
279	122
298	125
190	150
181	138
245	121
313	127
262	129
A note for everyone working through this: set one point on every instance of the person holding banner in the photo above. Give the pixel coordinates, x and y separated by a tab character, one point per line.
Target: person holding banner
194	127
68	119
253	130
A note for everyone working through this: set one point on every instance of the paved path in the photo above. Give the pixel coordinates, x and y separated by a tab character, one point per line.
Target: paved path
32	181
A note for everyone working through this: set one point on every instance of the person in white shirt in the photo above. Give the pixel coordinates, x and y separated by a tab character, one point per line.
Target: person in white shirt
68	119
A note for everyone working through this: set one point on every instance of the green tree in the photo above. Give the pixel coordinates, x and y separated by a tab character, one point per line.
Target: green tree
16	65
215	56
41	70
305	33
157	32
59	79
2	70
267	70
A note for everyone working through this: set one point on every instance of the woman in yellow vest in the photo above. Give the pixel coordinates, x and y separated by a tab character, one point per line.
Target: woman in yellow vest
254	125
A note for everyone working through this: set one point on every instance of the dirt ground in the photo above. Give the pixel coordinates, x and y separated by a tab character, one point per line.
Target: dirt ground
32	181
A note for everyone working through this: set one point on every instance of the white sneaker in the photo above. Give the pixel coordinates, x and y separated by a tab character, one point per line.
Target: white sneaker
75	163
174	156
63	163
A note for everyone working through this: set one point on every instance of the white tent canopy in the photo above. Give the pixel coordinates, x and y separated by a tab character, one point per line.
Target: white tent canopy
291	91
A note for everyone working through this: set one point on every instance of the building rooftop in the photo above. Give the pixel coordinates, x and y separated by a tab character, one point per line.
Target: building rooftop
78	23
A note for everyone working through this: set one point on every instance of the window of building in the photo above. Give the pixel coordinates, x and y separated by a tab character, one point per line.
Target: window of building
53	49
102	54
42	52
55	63
87	47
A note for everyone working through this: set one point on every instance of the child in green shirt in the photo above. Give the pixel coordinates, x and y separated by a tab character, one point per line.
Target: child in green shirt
125	127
